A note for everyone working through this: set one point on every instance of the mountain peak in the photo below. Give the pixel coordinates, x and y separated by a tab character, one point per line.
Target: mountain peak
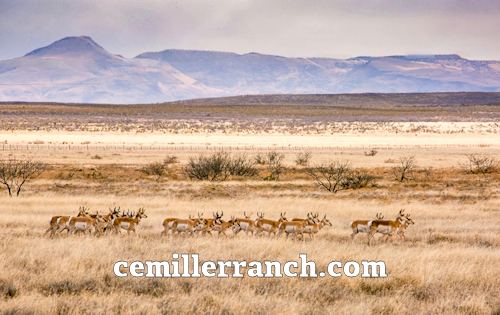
70	45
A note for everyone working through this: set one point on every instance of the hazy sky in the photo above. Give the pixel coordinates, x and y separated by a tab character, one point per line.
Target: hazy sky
334	28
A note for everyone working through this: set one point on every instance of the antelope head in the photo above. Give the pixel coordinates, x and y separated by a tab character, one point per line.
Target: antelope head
282	217
310	218
379	216
218	217
409	220
141	213
246	216
325	221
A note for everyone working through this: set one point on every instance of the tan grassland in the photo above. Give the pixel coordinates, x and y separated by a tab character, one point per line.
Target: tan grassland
449	263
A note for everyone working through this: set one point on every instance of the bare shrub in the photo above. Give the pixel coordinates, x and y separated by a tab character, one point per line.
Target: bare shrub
275	167
156	169
405	169
242	166
479	164
331	176
303	158
372	152
358	179
170	159
15	173
214	167
340	176
260	159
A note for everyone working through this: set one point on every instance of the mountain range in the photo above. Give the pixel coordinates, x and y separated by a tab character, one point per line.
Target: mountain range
78	70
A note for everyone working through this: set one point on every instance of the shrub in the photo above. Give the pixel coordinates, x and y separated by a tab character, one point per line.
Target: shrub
480	164
274	161
330	177
303	158
156	169
358	179
260	159
214	167
339	176
170	159
372	152
405	169
242	166
219	166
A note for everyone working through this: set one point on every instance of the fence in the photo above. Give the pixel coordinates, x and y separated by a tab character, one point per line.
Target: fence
138	147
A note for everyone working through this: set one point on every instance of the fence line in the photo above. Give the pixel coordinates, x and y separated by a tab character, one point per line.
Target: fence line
96	147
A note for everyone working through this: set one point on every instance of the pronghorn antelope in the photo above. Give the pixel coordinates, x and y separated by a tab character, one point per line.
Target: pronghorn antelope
266	225
129	223
310	217
59	223
109	219
210	222
246	224
222	226
314	228
295	227
189	226
362	226
408	221
386	227
85	224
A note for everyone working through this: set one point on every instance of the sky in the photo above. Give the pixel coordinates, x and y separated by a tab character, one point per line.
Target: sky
301	28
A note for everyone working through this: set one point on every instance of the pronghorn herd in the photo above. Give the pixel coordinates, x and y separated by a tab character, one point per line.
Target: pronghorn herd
116	220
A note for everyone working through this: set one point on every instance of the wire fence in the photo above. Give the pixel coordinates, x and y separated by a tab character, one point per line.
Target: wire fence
139	147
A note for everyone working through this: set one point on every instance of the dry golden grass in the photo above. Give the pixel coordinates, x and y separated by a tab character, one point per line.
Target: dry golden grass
449	264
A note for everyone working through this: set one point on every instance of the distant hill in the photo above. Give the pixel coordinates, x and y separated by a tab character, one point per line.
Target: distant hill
77	69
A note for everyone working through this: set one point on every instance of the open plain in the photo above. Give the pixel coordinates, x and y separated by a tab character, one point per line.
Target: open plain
96	156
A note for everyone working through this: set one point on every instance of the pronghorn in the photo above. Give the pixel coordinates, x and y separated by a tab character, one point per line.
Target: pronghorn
310	216
109	219
314	228
362	226
386	227
190	225
266	225
246	224
222	226
85	224
210	223
129	223
295	227
59	223
408	221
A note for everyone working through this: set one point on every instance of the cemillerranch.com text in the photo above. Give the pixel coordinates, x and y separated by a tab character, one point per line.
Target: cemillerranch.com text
190	266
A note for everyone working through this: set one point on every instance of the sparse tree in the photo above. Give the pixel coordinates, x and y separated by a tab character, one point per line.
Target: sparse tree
340	176
405	169
303	158
331	177
15	173
480	164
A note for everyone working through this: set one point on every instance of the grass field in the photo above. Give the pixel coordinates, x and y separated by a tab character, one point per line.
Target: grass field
448	264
